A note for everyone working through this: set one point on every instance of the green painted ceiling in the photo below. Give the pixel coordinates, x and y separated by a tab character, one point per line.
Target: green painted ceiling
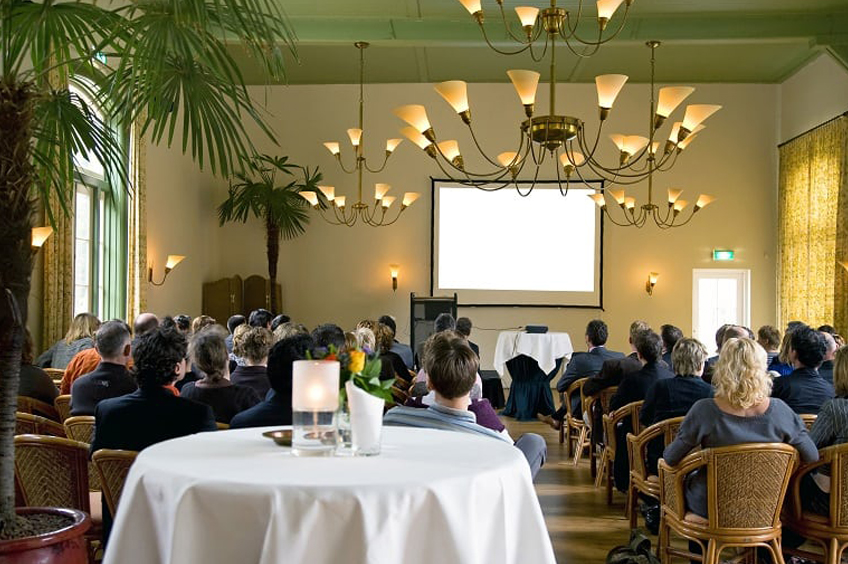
436	40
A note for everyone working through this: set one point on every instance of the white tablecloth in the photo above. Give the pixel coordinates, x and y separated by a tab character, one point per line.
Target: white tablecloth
545	348
234	497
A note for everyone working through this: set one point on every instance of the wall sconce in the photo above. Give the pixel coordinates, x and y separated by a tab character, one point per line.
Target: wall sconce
394	268
844	263
652	281
40	236
173	261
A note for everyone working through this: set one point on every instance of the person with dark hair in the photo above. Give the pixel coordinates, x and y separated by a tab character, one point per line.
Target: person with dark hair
279	320
34	382
111	378
670	335
183	323
328	334
463	327
451	368
391	365
276	409
254	346
724	334
792	325
144	323
260	318
768	337
804	390
233	322
404	351
226	399
827	329
634	387
444	322
583	365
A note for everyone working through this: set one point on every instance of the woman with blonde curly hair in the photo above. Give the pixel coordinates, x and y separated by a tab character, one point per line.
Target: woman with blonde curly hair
741	412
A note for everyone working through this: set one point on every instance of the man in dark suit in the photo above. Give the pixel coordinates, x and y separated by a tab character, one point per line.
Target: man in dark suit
826	368
111	378
463	327
582	365
404	351
276	409
804	390
670	335
614	370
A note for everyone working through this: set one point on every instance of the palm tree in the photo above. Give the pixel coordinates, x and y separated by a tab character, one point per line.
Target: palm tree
279	205
169	66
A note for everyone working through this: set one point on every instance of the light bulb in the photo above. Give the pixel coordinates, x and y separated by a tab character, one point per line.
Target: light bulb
380	190
598	199
703	201
527	15
310	197
329	192
415	115
608	86
391	144
449	149
655	147
333	147
606	8
355	136
388	201
525	83
670	97
415	136
409	198
697	113
455	93
673	194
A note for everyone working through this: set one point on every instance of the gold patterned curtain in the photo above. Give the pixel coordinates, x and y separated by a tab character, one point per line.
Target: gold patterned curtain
137	251
812	237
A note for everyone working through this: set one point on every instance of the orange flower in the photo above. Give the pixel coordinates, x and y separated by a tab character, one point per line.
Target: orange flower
330	357
357	362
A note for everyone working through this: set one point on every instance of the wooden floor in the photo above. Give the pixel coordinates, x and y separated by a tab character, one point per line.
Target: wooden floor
582	526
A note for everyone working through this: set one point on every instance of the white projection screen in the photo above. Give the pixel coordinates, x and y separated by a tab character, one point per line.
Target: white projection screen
498	248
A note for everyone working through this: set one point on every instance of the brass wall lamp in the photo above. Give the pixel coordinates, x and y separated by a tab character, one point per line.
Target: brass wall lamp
652	281
170	264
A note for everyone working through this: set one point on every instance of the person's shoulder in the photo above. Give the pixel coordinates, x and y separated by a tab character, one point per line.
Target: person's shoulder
701	407
780	408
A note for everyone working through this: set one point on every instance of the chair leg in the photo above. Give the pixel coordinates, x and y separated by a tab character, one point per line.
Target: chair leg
568	437
599	478
633	506
578	450
832	552
593	456
562	433
609	482
662	542
711	555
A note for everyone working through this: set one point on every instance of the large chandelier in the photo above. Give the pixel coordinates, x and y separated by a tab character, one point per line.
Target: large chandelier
564	140
381	212
534	22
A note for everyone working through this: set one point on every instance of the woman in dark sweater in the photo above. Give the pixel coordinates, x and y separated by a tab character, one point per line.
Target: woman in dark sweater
253	346
226	399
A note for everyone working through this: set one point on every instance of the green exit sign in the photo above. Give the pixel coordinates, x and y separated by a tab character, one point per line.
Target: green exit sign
723	254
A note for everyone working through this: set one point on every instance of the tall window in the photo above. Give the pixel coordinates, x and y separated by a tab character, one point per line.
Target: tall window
100	235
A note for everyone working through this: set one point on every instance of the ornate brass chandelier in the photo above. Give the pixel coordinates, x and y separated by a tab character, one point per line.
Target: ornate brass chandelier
378	214
552	137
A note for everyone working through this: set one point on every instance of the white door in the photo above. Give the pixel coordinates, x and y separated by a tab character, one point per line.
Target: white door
719	296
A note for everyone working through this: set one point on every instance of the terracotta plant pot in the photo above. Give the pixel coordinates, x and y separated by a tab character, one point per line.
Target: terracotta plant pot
64	546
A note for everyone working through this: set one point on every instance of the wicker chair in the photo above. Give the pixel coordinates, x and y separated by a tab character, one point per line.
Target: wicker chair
573	430
597	406
746	485
63	406
637	449
56	374
809	419
830	531
37	407
112	467
81	428
27	424
222	426
611	420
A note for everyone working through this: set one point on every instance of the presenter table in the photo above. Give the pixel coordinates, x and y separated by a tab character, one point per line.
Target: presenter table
234	496
532	359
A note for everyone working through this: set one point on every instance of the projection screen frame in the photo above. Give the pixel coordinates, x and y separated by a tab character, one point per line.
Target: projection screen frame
600	304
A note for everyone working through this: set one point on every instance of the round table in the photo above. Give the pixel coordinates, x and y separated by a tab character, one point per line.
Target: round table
236	497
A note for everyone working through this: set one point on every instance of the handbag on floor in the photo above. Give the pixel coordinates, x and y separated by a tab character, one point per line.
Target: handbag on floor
638	551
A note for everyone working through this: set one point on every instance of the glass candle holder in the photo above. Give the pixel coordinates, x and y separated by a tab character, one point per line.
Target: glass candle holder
315	399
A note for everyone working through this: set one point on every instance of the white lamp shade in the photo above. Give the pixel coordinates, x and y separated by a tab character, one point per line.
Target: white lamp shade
310	197
634	143
525	83
670	97
473	6
449	149
675	130
653	277
409	198
655	147
598	199
685	143
329	192
173	260
679	205
332	146
315	385
606	8
355	135
387	201
394	269
527	15
415	115
617	195
608	86
415	136
619	140
704	200
391	144
673	194
40	235
578	159
455	93
380	190
630	202
696	113
340	201
508	159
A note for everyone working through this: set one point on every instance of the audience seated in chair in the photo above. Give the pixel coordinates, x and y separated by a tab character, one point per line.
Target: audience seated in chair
768	337
276	409
34	382
392	365
208	352
233	322
670	335
402	350
826	368
463	327
804	390
614	370
451	367
79	337
725	332
253	348
260	318
328	334
111	378
781	365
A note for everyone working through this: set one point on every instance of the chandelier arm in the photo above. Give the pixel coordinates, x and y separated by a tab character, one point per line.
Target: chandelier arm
581	141
613	177
585	55
532	185
482	175
627	222
501	51
673	160
544	52
382	167
559	180
346	171
573	30
482	152
601	39
663	223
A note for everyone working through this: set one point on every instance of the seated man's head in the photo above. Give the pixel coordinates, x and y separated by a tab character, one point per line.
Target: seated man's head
451	365
260	318
670	335
329	334
143	323
635	328
183	323
234	321
159	357
597	333
464	326
112	342
389	322
807	348
830	344
768	337
444	322
648	346
688	356
279	320
280	360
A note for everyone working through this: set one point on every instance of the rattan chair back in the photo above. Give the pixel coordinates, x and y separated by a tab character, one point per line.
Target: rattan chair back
52	471
641	480
222	426
112	467
63	406
809	419
80	428
573	428
56	374
37	407
28	424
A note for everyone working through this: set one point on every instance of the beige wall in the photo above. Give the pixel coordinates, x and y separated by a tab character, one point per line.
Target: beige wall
813	95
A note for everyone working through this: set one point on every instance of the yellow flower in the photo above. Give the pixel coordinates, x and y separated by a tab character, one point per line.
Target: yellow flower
357	362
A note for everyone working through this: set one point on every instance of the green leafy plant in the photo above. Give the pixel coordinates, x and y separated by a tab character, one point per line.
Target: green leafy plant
262	192
361	366
163	65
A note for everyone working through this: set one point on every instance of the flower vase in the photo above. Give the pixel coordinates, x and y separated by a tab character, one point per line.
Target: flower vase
366	420
345	436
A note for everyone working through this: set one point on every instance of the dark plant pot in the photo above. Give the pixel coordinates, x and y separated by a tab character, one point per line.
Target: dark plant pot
63	546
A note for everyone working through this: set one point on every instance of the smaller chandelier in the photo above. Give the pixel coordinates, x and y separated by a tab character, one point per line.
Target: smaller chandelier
551	20
378	214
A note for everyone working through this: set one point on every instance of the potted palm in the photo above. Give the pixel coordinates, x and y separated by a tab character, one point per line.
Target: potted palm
159	65
270	190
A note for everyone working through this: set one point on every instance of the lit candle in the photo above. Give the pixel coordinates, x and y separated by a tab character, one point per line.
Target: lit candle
315	385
